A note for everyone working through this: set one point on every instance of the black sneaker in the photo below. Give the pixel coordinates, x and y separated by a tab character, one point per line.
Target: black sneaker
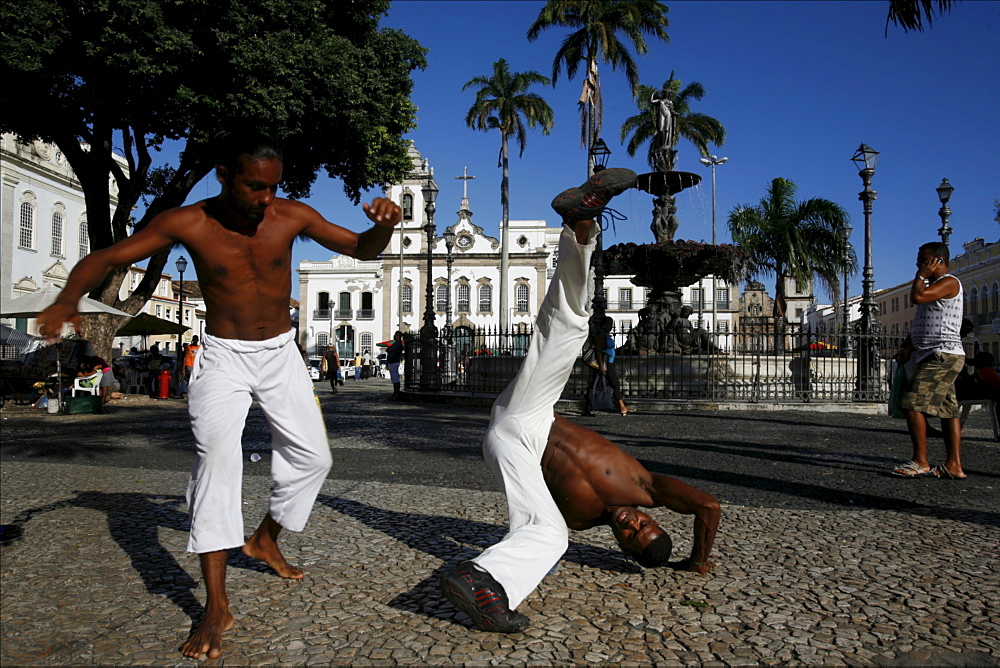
475	592
9	533
589	200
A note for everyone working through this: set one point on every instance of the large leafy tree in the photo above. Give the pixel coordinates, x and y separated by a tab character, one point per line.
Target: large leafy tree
793	240
111	82
504	103
700	129
596	29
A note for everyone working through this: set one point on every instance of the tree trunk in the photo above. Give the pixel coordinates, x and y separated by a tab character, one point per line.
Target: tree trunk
505	222
779	313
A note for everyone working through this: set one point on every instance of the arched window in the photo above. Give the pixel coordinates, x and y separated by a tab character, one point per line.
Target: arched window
343	306
485	298
345	342
323	300
463	341
367	308
973	299
995	299
57	234
407	206
441	298
984	301
27	236
522	298
367	342
84	239
407	299
463	298
322	342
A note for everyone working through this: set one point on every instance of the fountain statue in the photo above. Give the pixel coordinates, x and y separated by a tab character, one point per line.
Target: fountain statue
668	265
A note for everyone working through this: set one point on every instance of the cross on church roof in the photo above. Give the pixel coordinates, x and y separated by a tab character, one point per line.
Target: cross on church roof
465	182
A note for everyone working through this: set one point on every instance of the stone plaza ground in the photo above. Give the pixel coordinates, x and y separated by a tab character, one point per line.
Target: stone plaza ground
821	557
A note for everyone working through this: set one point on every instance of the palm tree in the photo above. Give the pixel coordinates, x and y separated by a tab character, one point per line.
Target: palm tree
501	101
597	25
700	129
792	240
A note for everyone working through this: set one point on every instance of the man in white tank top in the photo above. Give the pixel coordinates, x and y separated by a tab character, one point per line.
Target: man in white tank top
935	344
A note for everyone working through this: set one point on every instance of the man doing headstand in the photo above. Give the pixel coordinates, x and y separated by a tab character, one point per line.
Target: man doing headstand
558	475
241	244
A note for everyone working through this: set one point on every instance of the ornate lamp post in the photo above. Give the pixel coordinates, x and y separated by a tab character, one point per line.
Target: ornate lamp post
449	244
868	385
428	333
846	344
598	155
714	162
182	265
944	192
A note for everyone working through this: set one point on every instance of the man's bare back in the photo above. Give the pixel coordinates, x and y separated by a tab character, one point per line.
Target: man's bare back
589	475
594	482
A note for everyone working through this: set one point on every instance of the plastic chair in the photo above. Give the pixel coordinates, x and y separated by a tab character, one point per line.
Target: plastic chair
135	382
87	384
990	407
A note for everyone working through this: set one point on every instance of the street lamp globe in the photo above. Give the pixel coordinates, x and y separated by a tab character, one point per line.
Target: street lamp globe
944	192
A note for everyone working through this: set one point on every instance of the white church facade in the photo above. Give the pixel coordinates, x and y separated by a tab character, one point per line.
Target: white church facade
357	304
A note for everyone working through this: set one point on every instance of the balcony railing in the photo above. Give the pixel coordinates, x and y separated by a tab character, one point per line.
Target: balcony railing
342	314
366	314
321	314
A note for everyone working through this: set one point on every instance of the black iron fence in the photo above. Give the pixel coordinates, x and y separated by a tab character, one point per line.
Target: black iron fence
755	365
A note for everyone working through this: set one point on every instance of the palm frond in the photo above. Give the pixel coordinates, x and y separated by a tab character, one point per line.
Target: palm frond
910	14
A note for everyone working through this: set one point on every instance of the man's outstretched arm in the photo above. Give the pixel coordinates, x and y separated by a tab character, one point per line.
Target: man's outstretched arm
682	498
366	245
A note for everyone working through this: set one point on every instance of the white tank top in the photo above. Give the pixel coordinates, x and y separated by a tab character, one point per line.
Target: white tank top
936	326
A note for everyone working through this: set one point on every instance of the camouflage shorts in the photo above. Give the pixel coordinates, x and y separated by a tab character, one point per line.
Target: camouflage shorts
932	388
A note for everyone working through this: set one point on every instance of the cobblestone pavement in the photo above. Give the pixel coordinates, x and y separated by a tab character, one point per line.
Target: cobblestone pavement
891	573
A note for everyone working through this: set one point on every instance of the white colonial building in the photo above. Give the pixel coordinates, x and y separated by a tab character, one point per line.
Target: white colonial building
43	219
358	304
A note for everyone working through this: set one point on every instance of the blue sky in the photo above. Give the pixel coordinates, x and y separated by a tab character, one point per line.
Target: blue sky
798	85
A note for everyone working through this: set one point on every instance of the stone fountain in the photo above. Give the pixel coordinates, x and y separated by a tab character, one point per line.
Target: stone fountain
665	267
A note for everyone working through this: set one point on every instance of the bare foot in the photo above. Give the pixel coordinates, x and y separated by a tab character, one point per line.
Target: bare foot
207	637
263	548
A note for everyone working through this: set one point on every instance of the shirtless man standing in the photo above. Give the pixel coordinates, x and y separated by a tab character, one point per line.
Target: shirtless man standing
558	475
241	244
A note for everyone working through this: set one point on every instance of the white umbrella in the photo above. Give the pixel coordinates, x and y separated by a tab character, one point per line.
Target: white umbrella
31	305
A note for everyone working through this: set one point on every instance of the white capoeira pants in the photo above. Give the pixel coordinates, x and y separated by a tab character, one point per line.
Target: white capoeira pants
227	375
519	428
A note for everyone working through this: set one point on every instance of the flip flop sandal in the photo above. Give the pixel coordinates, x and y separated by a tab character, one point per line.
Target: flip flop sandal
912	470
942	472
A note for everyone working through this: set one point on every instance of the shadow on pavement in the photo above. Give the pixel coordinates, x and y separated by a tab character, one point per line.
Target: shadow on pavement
843	497
133	522
453	540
